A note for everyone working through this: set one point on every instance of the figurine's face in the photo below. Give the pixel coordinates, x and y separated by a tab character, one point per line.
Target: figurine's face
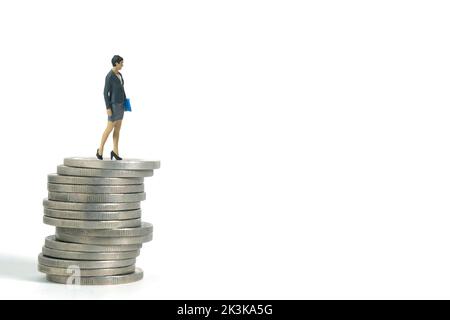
119	65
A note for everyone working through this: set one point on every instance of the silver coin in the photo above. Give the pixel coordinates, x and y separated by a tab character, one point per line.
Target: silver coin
65	263
55	178
103	240
86	272
51	242
96	197
92	256
125	164
107	173
143	230
106	280
82	188
89	224
93	215
80	206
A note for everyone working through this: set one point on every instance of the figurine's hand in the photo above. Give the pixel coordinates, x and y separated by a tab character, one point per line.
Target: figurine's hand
109	112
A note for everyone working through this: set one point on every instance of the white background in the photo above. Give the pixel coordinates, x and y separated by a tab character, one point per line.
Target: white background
304	145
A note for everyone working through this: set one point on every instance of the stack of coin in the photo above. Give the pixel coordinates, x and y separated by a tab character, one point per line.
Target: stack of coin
95	207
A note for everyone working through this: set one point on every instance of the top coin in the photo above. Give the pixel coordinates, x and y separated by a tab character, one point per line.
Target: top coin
125	164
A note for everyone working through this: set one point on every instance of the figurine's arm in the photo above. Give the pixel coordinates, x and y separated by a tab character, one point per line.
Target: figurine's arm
106	92
123	84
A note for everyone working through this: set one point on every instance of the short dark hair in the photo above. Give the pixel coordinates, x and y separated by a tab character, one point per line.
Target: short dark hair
116	59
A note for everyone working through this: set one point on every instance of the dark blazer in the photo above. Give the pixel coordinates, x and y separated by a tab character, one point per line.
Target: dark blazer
114	91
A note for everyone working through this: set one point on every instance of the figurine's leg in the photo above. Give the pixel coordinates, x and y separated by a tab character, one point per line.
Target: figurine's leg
116	134
105	136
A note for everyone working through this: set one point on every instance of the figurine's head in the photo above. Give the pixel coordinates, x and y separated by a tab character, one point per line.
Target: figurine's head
117	62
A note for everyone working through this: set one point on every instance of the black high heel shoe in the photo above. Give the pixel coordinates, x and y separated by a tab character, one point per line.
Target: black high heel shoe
99	156
113	154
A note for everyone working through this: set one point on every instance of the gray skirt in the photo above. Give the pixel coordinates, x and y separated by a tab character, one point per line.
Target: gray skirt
117	112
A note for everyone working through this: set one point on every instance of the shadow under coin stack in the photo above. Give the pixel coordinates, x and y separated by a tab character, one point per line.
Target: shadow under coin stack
95	207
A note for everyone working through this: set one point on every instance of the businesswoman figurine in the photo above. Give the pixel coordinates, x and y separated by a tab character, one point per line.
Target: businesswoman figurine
114	94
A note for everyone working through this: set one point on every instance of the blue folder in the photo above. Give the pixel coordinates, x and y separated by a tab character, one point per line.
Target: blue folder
127	105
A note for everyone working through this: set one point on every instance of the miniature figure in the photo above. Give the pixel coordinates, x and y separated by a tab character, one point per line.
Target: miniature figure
114	94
